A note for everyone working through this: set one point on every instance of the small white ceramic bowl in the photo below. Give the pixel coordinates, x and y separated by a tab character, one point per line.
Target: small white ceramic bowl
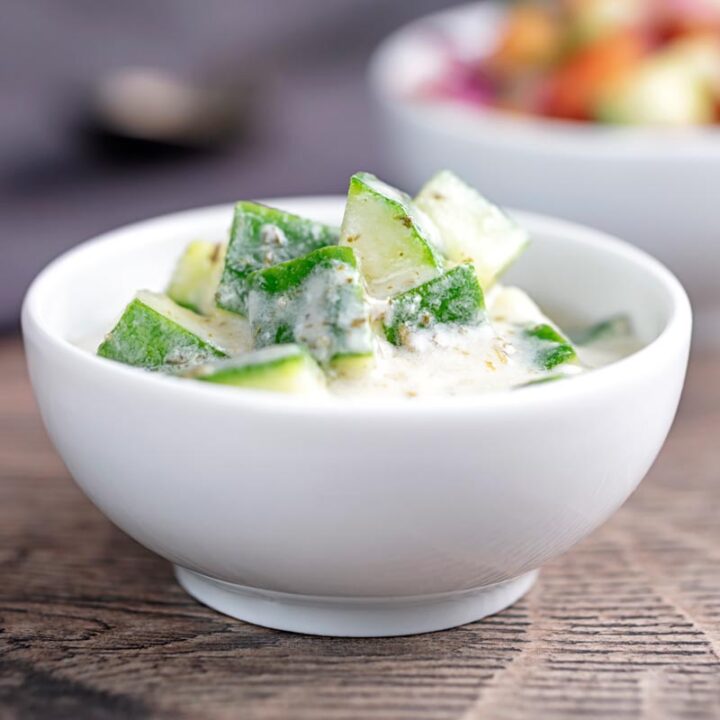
656	188
371	517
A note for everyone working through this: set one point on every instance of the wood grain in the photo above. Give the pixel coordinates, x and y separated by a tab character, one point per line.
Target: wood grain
625	626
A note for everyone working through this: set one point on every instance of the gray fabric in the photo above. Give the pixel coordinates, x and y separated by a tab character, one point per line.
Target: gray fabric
313	128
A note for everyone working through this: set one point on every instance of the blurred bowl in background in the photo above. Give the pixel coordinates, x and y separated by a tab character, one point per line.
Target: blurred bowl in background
655	187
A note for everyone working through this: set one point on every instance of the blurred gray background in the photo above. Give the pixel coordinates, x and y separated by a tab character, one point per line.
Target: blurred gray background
295	69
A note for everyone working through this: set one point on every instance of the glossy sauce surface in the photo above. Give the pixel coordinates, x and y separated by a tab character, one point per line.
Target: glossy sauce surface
442	361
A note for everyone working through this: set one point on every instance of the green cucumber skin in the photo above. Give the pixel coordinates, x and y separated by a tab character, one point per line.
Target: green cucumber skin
351	365
249	374
261	237
193	307
316	301
288	275
616	326
279	374
232	291
454	298
556	349
392	238
145	338
541	381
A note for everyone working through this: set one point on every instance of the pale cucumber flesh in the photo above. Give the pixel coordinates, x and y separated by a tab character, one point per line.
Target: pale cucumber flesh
155	333
474	230
281	368
397	247
197	275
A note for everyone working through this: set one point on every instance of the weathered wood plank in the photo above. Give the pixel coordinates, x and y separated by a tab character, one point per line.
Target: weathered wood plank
625	626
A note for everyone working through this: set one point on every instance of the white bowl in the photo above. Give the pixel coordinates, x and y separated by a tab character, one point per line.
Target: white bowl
656	188
371	517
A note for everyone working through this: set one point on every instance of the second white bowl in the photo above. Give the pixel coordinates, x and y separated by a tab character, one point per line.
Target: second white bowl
655	188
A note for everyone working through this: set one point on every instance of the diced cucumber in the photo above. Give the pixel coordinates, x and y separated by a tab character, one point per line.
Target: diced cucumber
157	334
352	365
663	91
316	301
553	348
197	276
397	247
615	327
259	238
473	229
513	305
542	381
454	298
537	333
280	368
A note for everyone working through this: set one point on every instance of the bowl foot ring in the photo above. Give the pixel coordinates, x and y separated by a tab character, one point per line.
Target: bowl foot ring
353	617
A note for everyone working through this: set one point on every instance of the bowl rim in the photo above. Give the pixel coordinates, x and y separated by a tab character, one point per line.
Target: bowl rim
673	338
523	132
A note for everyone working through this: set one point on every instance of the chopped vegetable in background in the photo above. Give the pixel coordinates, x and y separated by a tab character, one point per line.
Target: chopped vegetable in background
633	62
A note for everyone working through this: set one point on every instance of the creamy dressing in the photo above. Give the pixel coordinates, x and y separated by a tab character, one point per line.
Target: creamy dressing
490	357
442	361
468	361
604	352
328	317
459	361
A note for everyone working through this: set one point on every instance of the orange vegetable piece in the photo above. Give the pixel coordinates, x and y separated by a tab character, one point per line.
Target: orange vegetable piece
531	38
575	86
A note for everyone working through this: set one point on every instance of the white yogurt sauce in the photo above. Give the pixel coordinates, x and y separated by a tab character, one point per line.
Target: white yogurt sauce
459	361
491	357
494	356
604	352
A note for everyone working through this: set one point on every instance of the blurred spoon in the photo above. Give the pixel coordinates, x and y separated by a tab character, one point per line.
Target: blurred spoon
152	106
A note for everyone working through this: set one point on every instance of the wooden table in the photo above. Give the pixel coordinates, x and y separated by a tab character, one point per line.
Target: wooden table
625	626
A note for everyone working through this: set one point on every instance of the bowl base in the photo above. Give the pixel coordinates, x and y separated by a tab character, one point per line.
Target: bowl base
353	617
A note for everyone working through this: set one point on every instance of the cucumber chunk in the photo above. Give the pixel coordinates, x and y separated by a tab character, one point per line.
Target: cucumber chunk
259	238
513	305
197	276
157	334
542	381
473	229
553	348
454	298
280	368
396	245
316	301
535	332
613	328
